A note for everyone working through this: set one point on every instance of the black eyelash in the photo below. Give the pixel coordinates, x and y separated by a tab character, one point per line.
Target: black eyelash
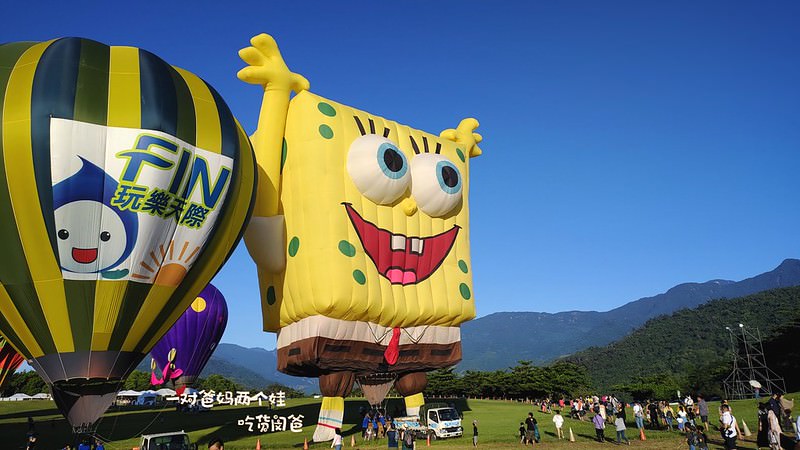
363	131
438	147
425	142
360	126
414	145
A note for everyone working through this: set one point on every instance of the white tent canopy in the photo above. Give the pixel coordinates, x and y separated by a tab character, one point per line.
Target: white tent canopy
129	393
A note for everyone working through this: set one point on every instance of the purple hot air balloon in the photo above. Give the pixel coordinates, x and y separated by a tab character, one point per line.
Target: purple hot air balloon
186	348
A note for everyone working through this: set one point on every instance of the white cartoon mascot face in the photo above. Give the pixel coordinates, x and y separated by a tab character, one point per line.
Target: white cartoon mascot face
92	235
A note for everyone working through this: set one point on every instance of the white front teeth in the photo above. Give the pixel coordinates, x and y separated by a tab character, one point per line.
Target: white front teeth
398	242
416	245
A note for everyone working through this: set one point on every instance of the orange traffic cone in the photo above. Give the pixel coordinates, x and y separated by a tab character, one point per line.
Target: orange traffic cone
352	440
642	437
258	444
571	436
429	440
305	443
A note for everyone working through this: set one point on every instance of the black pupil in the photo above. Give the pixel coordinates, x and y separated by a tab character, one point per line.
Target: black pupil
393	160
63	234
450	176
105	235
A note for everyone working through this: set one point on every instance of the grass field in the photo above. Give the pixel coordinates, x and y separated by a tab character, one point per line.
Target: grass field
498	423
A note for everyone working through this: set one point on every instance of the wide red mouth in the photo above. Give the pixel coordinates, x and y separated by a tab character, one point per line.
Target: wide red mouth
84	255
402	259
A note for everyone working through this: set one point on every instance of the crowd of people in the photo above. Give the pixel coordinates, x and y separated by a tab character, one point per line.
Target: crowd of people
375	424
774	420
688	416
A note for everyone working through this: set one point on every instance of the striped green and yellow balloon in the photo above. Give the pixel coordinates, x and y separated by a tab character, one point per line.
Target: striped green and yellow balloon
125	184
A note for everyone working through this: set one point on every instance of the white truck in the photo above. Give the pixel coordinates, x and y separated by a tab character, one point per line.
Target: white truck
177	440
438	420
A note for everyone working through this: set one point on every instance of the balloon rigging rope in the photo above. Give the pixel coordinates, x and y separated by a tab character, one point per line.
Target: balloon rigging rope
386	333
105	439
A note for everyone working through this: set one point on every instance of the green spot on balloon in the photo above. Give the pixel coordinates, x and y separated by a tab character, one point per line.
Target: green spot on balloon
326	109
283	155
359	276
325	131
461	155
347	248
271	295
464	291
463	266
294	245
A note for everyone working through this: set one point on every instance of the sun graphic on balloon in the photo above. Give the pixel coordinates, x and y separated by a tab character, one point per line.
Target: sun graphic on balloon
170	268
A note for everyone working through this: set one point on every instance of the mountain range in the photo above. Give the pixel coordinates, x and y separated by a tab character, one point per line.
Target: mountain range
499	340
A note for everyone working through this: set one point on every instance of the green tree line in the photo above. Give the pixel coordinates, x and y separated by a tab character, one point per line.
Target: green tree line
562	379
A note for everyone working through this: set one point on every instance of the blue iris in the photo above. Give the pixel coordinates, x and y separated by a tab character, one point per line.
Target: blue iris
448	176
392	161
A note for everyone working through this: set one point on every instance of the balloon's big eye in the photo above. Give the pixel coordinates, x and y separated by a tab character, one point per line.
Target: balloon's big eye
105	236
437	184
378	168
63	234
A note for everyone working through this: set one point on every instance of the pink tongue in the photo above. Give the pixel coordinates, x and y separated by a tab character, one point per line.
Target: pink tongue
399	276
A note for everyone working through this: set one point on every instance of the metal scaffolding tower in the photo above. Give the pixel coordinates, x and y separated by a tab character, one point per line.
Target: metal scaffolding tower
750	372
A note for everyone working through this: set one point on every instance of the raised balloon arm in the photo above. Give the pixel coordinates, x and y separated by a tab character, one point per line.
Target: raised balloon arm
463	134
266	67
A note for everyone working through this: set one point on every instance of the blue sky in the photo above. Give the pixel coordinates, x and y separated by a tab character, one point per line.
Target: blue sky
628	146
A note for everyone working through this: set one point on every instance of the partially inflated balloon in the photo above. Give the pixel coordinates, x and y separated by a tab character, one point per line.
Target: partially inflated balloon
186	348
10	361
124	185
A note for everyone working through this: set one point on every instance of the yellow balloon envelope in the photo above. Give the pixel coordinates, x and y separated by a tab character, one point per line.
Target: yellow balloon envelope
124	186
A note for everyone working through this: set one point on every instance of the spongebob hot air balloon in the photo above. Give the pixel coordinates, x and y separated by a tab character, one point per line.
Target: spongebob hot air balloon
124	185
361	236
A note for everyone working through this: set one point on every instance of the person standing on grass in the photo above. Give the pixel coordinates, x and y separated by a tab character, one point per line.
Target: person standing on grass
693	437
391	436
638	415
702	409
653	409
475	433
682	418
558	420
530	427
669	415
408	439
619	423
522	433
774	431
336	444
729	426
599	427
